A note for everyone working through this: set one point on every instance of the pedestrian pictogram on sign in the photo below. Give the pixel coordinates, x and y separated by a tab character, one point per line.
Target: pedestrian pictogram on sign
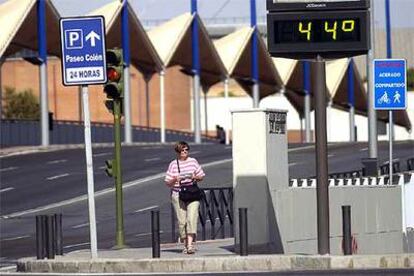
390	84
83	50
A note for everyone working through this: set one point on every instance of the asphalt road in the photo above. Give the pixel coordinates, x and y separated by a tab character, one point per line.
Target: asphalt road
55	182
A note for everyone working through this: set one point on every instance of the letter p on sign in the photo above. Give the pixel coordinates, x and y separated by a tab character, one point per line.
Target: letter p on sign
74	39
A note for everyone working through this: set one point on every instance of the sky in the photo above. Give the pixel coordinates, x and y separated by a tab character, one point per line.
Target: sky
223	10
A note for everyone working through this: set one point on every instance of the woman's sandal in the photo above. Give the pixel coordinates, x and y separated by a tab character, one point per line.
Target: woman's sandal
190	249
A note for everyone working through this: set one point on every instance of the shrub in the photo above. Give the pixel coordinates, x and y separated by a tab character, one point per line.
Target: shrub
21	105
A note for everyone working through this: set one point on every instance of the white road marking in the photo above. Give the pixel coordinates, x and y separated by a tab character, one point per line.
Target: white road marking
57	176
155	147
331	155
146	209
364	149
57	161
80	225
102	154
16	238
292	164
6	189
112	190
102	167
227	147
8	169
152	159
146	234
76	245
195	152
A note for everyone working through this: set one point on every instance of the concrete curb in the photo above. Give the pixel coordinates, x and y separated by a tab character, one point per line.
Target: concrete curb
217	264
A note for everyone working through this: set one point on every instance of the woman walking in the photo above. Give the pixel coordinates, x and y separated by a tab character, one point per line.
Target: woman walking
183	172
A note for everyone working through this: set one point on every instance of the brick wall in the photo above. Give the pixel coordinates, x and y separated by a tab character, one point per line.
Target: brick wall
64	102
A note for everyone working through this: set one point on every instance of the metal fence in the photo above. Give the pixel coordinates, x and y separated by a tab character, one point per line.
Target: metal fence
215	214
27	132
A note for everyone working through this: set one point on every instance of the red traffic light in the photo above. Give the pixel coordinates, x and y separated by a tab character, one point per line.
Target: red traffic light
113	74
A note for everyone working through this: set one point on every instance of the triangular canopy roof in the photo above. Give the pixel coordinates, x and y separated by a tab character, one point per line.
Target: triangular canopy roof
337	82
172	41
18	21
143	54
235	51
285	67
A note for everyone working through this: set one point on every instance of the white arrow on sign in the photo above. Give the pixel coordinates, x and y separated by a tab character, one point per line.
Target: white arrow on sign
92	36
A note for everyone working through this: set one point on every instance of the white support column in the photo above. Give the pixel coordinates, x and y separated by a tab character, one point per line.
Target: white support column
197	117
162	106
351	124
44	105
228	114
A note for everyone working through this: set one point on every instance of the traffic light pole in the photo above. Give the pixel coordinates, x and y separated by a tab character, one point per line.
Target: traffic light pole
120	240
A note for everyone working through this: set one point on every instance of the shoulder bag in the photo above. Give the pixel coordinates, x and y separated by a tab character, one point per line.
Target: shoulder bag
191	192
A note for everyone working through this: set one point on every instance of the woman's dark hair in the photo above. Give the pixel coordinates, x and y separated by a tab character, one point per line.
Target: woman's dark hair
180	145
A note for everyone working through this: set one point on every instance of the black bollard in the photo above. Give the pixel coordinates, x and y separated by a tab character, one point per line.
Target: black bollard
346	229
58	235
40	241
50	233
243	231
155	230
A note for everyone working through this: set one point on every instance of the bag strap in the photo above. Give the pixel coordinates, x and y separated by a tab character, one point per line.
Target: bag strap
178	166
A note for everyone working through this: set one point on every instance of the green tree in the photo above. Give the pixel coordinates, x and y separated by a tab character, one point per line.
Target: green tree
410	79
21	105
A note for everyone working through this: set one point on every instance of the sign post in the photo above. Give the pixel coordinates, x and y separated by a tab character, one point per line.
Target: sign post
83	63
390	93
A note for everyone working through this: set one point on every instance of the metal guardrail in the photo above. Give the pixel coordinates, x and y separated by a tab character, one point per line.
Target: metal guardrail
410	164
215	214
27	132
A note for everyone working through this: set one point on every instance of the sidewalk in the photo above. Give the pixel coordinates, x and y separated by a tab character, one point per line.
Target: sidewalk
212	256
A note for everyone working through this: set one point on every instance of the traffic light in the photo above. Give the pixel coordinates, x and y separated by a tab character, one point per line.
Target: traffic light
114	88
110	168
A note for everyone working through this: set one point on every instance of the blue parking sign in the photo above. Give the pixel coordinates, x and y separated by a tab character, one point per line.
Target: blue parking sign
390	84
83	50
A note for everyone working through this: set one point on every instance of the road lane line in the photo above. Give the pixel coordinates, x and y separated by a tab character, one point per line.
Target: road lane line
146	209
80	225
112	190
293	164
6	189
331	155
102	167
152	159
76	245
364	149
8	169
102	154
57	161
146	234
57	176
195	152
16	238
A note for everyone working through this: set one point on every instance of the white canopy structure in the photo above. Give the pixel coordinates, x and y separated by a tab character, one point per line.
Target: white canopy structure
172	41
143	54
18	21
235	52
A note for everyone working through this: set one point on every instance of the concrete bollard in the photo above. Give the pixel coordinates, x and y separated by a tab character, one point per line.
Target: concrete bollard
243	232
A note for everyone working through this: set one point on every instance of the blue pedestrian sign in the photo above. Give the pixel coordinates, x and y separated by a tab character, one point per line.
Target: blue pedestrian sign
83	50
390	84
